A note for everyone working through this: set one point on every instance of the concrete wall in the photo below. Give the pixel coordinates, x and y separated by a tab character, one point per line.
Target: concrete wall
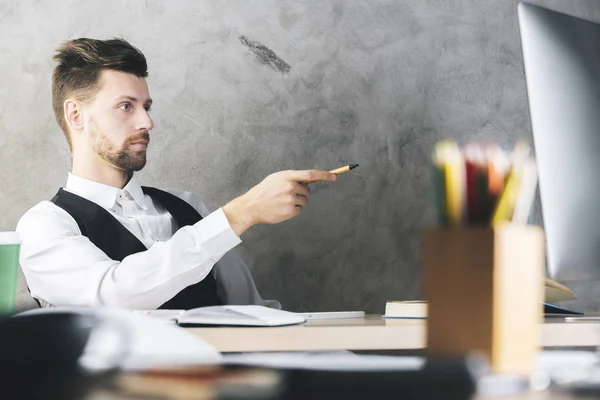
246	88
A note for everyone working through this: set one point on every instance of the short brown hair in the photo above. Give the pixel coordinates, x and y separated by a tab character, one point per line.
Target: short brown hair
80	62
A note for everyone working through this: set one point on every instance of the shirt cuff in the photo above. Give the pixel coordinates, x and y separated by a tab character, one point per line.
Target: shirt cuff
216	234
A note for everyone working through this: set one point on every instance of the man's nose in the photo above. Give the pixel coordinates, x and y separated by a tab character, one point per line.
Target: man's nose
145	122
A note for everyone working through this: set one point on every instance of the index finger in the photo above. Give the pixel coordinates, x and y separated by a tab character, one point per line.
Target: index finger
311	175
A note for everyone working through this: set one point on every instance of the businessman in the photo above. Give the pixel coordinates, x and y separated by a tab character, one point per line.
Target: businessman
105	240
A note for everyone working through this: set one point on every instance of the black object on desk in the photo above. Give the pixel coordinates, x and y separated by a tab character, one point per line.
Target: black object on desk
40	356
453	379
551	310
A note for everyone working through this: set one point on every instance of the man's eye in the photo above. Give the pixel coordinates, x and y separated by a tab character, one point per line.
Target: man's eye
147	108
125	107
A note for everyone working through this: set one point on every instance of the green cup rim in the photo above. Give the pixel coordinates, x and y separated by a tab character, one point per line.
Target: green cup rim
9	238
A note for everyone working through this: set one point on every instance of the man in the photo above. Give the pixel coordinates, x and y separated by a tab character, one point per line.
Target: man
106	240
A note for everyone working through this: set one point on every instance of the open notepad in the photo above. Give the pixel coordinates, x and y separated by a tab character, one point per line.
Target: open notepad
244	315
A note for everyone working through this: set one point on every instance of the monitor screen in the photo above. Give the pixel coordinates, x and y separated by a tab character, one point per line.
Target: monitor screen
561	56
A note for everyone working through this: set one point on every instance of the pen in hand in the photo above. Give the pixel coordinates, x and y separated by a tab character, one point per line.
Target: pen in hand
341	170
336	171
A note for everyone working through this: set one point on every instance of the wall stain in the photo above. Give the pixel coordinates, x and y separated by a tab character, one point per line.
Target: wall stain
265	55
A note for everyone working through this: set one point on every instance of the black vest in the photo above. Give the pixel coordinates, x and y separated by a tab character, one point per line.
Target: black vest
107	233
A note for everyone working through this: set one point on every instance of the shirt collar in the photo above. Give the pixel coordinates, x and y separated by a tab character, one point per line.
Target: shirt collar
135	190
104	195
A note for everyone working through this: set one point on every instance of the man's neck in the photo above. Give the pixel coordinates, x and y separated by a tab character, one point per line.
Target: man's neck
100	171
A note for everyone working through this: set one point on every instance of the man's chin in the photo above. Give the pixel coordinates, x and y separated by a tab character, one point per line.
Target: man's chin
131	163
138	165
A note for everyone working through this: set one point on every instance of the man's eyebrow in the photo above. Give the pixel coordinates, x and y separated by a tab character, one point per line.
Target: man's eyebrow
135	100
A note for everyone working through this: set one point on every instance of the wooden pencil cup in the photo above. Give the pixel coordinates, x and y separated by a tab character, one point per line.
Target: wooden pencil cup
484	292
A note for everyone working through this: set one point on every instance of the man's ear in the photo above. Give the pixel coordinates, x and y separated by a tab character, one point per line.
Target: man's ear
73	115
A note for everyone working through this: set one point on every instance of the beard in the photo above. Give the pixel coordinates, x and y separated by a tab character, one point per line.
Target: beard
123	157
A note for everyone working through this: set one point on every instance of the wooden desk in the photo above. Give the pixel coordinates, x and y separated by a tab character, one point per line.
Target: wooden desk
369	333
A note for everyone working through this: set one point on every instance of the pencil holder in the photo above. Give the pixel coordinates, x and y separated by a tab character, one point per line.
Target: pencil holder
484	291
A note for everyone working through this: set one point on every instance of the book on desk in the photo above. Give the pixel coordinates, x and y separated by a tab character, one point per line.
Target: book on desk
244	315
554	292
234	315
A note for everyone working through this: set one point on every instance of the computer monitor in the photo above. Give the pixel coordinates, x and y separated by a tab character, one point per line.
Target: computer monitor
561	54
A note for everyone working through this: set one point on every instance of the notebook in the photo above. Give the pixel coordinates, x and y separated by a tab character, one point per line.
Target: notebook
416	309
554	292
242	315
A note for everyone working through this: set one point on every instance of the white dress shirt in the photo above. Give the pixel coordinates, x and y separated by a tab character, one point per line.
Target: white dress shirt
63	268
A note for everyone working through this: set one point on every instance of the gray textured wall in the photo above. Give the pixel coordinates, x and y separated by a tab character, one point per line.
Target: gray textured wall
374	82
